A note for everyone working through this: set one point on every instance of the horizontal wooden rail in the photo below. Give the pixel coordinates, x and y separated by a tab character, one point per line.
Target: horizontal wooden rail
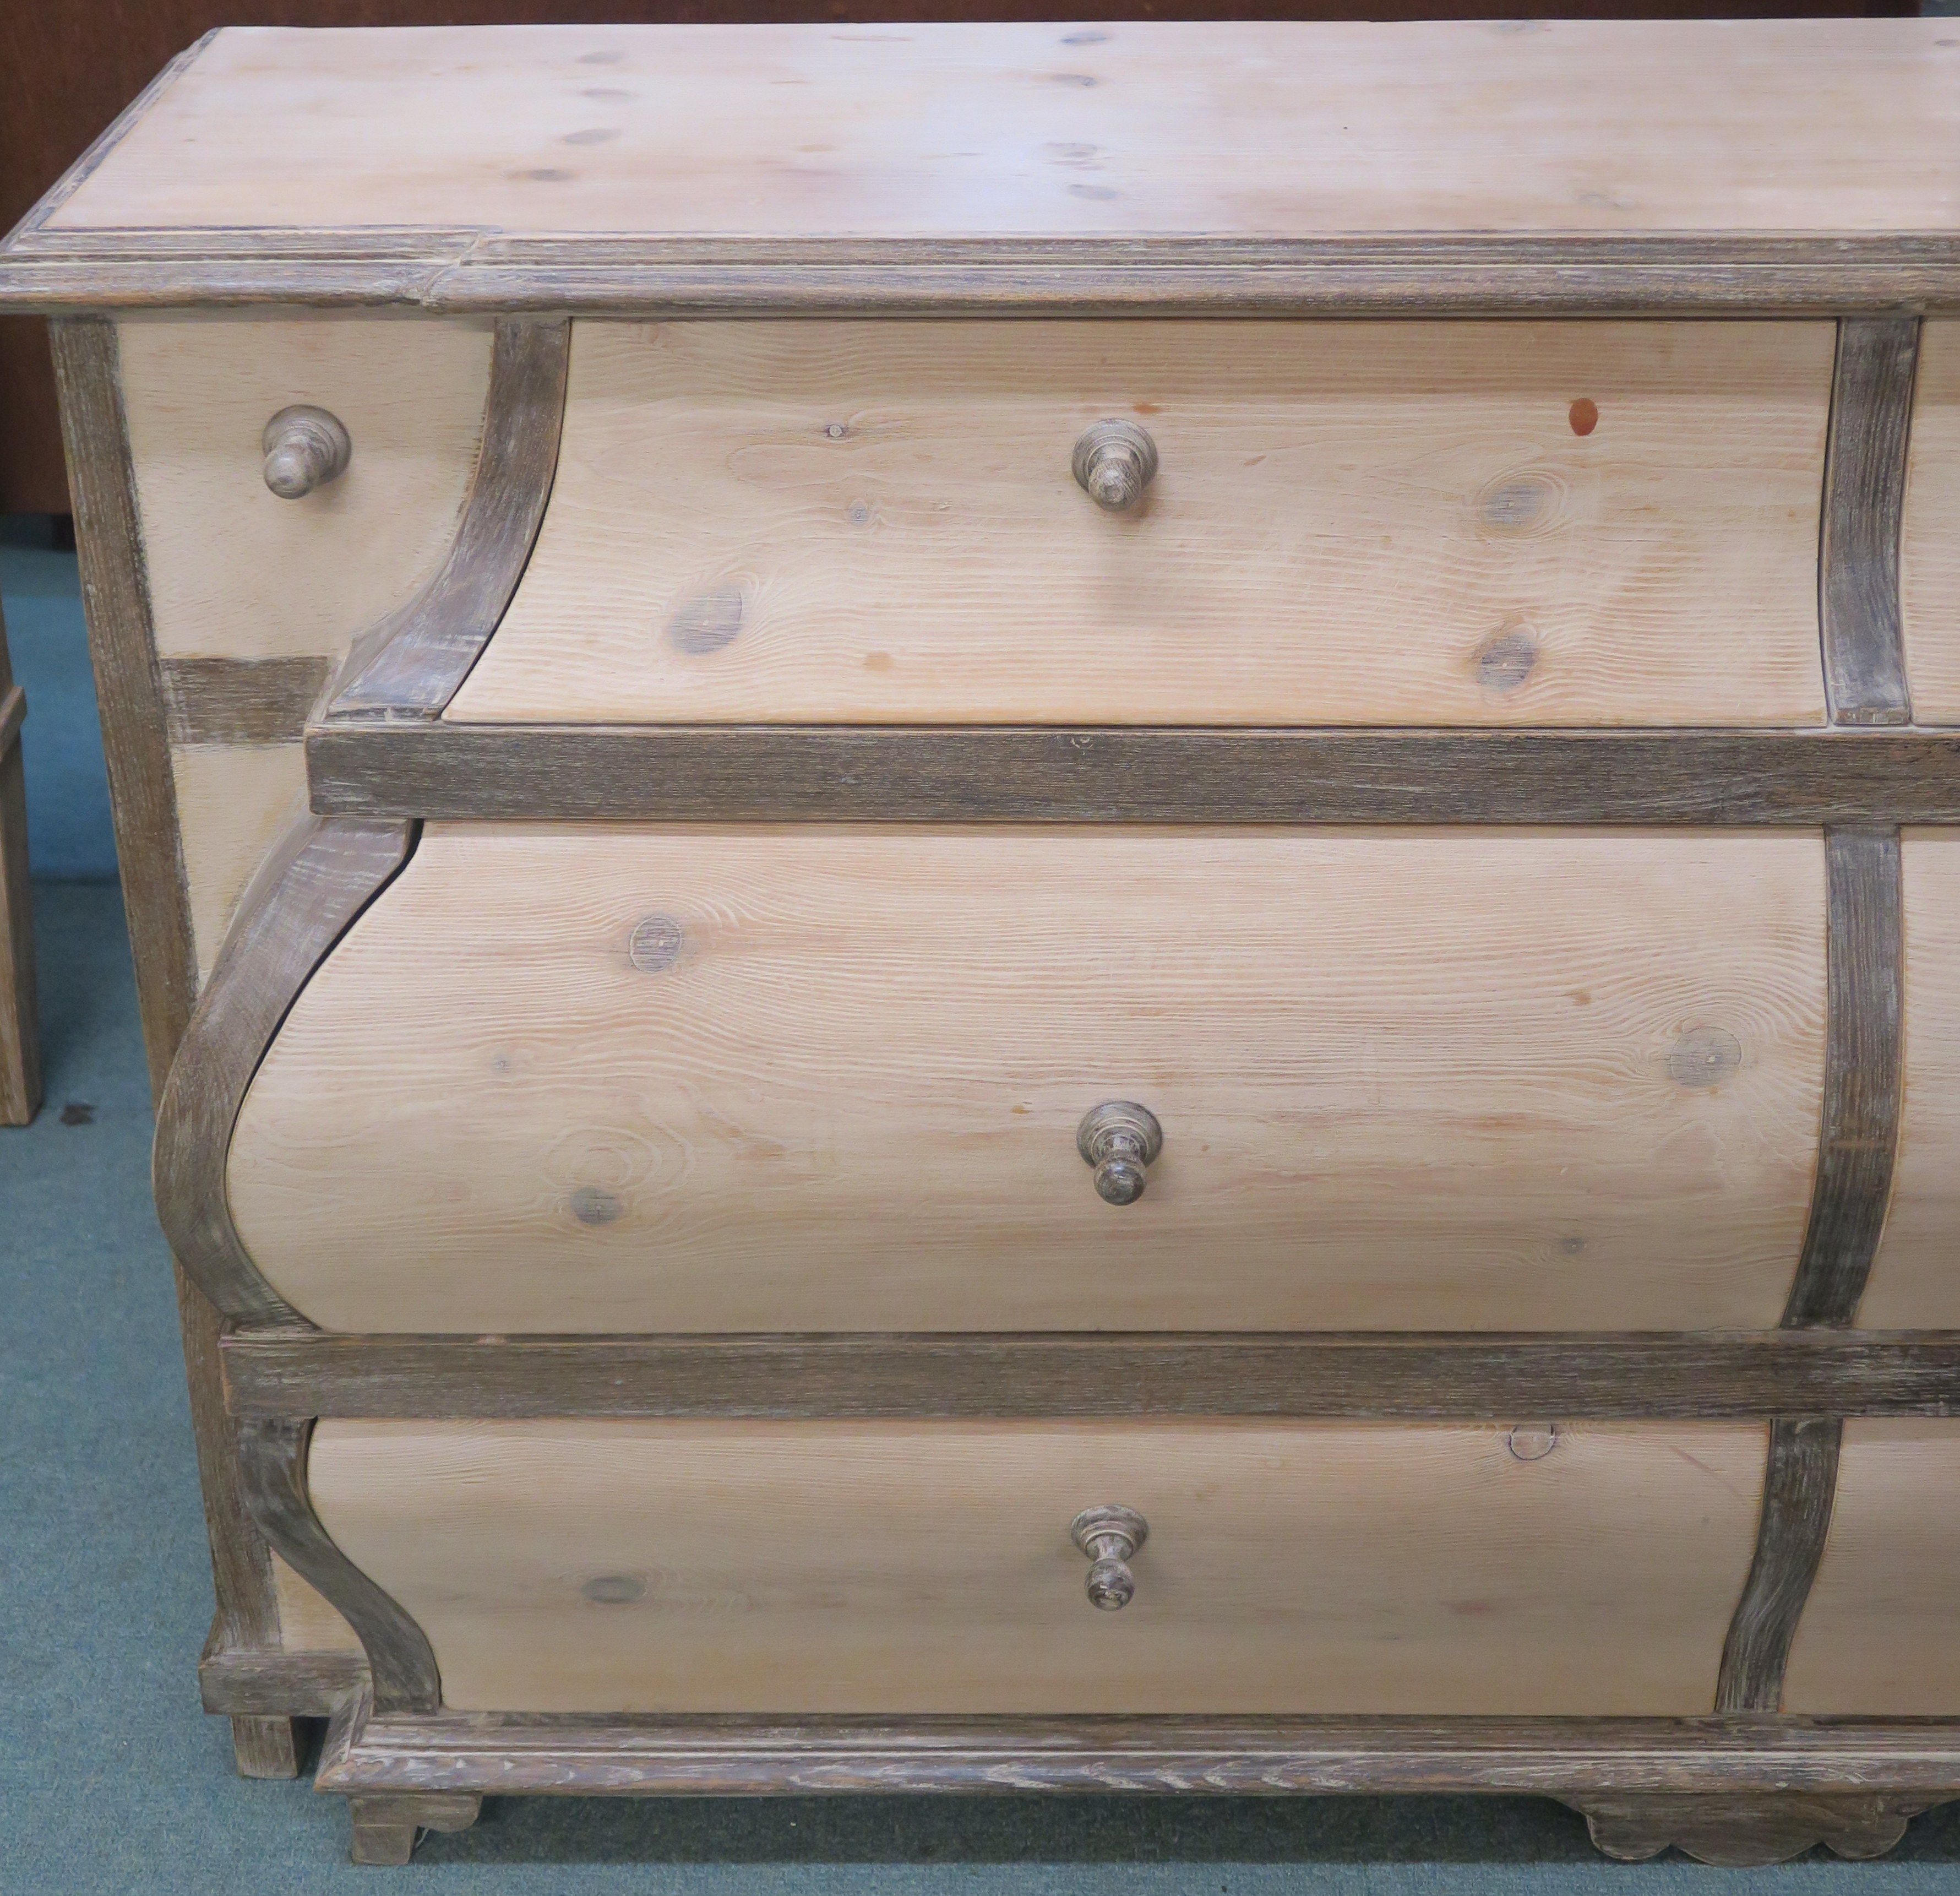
573	1754
996	773
271	1372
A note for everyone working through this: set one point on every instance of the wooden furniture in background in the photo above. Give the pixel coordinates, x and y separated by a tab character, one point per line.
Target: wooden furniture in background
649	834
19	1031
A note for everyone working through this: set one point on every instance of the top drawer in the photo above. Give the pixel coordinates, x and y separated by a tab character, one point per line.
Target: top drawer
1586	523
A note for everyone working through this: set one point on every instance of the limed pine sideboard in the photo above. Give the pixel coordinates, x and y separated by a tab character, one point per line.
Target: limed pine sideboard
1058	907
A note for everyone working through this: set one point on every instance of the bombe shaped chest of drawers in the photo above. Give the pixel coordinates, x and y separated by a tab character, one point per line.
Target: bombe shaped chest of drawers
1055	907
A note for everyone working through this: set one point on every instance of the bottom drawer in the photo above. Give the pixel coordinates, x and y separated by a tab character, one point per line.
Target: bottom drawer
928	1566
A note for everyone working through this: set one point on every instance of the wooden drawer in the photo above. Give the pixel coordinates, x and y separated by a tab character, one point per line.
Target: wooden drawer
928	1566
627	1078
1414	523
1928	549
1881	1630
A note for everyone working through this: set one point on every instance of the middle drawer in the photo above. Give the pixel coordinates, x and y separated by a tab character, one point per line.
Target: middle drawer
634	1079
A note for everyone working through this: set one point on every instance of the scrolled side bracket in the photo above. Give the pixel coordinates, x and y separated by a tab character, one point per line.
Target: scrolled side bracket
305	897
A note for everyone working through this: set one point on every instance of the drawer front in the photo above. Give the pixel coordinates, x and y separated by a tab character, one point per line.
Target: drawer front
632	1566
1913	1284
1418	523
1880	1632
633	1079
1929	546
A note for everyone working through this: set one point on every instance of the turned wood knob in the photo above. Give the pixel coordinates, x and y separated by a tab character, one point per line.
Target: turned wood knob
1119	1139
305	448
1114	463
1110	1536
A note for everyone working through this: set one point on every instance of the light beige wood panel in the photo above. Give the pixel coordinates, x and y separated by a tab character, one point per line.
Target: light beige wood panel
306	1622
1914	1283
1234	128
234	802
234	570
1352	523
1881	1631
1407	1080
926	1567
1929	532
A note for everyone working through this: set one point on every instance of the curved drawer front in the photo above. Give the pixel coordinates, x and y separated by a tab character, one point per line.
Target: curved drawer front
699	1079
1928	549
1880	1634
628	1566
1419	523
1913	1284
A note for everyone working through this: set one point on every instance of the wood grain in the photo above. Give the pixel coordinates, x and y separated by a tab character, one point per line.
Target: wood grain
116	598
387	1826
410	665
1797	1490
1858	1133
1707	1374
237	572
305	897
275	1458
265	1747
129	690
734	1757
268	1682
1880	1635
942	774
453	273
241	701
306	1622
877	523
1406	1081
781	130
1912	1283
1929	551
1732	1828
234	802
926	1567
1864	493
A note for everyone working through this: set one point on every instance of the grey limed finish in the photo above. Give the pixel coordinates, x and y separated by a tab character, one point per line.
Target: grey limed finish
1414	1376
1569	1758
924	773
1799	1487
411	665
135	739
1864	501
401	1665
1865	1018
241	700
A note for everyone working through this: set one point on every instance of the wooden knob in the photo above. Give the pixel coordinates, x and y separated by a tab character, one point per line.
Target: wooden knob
305	448
1110	1536
1114	463
1119	1139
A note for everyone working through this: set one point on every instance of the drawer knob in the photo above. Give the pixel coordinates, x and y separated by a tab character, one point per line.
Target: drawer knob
1114	463
305	448
1110	1537
1119	1138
